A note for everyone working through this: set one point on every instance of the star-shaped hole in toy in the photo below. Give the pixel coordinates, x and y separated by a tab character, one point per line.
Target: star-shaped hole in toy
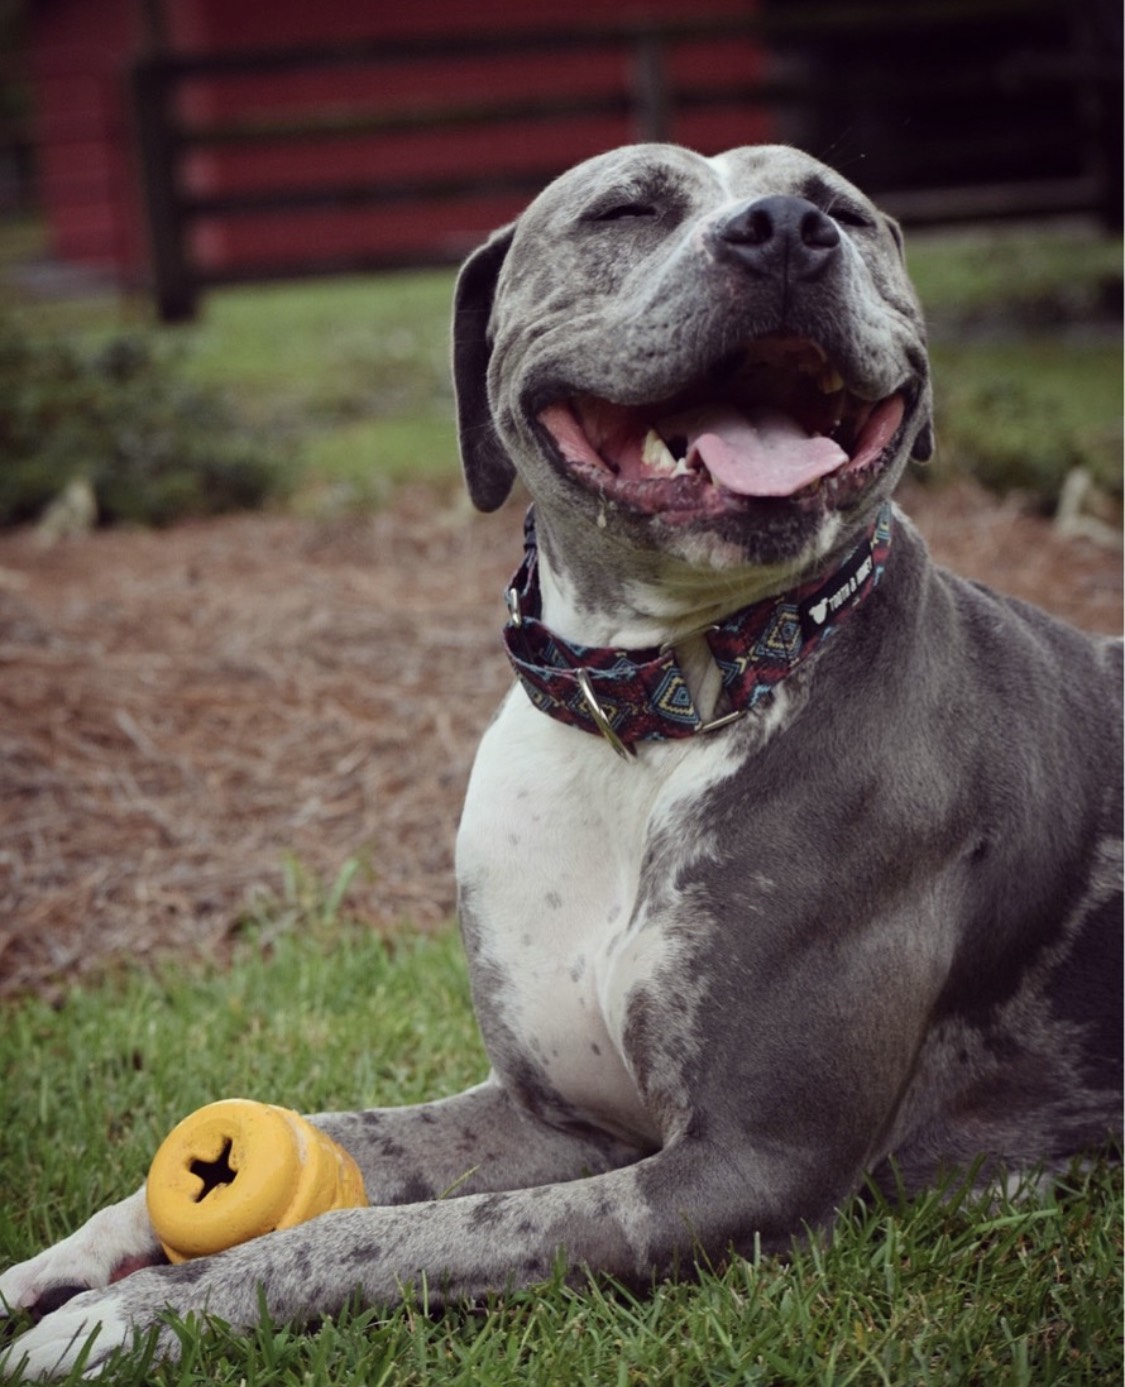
214	1174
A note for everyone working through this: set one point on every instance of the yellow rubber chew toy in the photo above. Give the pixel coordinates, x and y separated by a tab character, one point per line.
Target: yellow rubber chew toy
236	1169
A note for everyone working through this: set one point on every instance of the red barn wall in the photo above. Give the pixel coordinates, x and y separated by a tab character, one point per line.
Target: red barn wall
77	61
89	181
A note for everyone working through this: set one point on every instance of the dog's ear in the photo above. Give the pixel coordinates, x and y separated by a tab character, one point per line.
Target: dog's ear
923	449
489	473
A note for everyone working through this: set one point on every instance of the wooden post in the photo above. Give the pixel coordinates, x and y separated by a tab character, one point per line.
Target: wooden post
174	288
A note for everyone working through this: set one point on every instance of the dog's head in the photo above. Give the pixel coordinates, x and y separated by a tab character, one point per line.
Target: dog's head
722	360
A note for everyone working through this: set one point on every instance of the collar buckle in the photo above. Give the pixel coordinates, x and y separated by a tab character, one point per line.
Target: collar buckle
601	722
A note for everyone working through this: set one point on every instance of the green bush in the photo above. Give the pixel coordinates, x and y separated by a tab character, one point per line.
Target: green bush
1026	348
122	417
1023	415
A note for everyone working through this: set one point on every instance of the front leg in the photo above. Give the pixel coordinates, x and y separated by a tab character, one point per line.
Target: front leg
645	1218
474	1142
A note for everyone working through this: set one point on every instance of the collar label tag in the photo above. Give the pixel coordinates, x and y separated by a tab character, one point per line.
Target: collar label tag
819	610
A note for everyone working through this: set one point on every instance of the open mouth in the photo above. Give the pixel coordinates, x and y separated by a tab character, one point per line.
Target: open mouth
774	419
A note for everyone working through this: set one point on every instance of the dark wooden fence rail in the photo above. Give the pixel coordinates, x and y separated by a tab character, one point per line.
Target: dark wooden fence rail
651	101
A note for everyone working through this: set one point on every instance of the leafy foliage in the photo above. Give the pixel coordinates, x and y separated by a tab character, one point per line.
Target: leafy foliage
1022	417
1025	329
122	417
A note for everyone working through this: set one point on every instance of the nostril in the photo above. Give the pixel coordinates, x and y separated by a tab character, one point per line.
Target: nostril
757	229
752	227
819	232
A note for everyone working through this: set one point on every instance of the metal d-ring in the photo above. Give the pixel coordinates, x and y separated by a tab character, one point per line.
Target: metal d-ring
601	722
727	718
512	597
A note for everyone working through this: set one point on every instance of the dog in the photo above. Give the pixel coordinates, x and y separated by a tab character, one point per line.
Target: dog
790	861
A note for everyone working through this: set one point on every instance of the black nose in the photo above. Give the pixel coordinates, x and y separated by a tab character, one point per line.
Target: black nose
779	235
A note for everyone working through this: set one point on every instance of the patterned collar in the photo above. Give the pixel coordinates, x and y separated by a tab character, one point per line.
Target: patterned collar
628	696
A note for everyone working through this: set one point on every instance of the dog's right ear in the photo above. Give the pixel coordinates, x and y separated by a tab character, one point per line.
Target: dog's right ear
489	473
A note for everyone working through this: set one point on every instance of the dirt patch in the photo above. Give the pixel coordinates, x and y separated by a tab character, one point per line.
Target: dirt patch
183	712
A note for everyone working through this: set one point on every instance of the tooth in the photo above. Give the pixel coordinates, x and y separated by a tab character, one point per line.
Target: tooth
655	454
682	469
830	380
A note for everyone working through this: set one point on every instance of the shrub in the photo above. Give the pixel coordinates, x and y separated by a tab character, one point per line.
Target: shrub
154	447
1024	415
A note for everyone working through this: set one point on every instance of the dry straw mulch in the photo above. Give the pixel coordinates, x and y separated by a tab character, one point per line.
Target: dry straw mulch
181	713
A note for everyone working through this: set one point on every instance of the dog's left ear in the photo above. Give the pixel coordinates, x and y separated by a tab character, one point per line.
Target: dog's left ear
488	469
923	449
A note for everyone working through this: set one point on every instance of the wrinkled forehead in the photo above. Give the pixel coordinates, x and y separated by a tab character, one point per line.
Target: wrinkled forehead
651	169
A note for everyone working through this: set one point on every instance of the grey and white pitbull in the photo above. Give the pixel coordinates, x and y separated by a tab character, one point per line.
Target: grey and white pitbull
849	900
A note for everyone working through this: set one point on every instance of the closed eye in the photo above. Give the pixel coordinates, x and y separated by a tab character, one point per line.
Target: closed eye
836	204
849	216
622	211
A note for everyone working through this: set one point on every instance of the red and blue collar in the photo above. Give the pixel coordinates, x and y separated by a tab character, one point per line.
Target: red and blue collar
629	696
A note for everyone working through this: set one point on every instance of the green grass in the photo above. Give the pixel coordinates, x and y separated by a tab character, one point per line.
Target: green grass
1026	354
335	345
316	1014
1063	272
360	464
1024	414
357	370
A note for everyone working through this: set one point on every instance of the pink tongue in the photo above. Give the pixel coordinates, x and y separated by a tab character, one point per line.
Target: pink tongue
764	453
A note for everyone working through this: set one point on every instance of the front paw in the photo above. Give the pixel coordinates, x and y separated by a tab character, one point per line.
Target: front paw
113	1244
86	1329
43	1283
141	1308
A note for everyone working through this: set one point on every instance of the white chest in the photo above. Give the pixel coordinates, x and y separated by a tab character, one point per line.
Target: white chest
550	859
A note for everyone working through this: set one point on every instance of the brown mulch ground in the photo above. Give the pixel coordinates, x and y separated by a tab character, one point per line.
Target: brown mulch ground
181	712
